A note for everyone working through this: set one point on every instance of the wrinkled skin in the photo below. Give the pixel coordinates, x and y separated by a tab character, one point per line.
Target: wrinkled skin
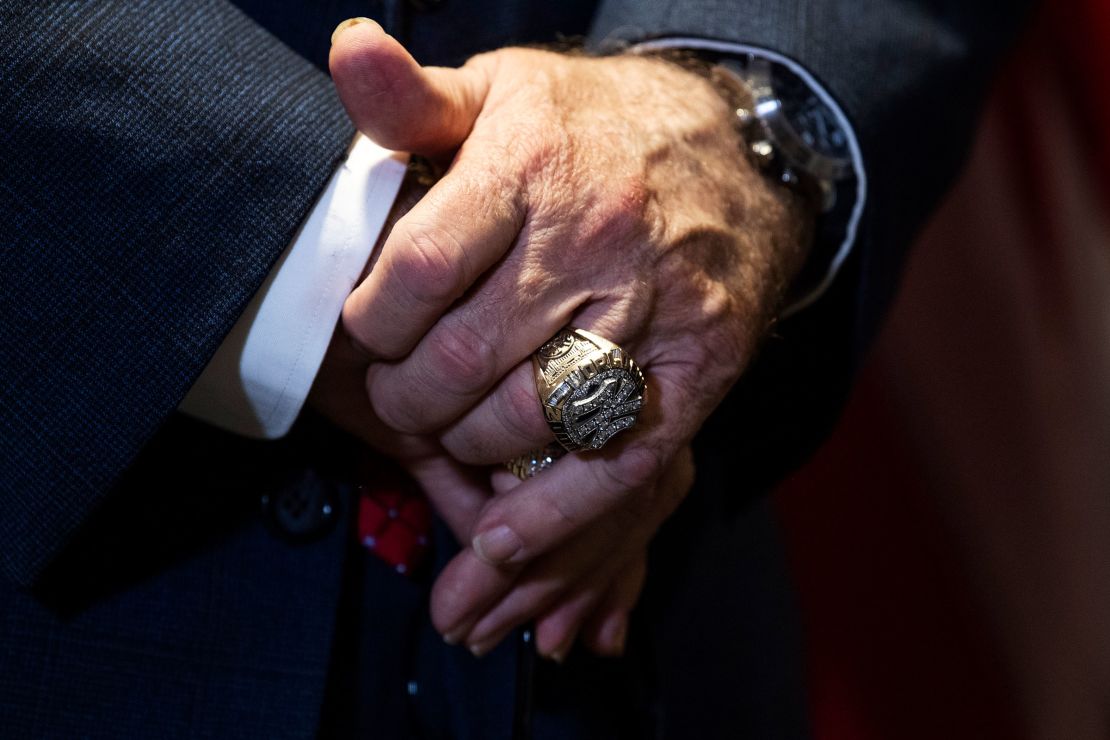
605	193
596	610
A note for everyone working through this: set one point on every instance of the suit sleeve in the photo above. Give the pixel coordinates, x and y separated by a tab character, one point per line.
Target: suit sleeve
910	76
158	157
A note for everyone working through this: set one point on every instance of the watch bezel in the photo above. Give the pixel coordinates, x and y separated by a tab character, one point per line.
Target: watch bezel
767	108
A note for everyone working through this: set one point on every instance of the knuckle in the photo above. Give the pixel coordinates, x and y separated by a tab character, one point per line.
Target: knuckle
429	267
518	410
550	518
619	211
718	357
564	514
635	467
698	354
545	150
467	444
629	198
720	303
359	331
394	410
486	59
625	315
461	360
452	598
702	361
466	447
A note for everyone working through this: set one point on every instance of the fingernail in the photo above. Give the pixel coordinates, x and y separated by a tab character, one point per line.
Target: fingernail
479	649
559	652
615	634
497	545
348	24
452	638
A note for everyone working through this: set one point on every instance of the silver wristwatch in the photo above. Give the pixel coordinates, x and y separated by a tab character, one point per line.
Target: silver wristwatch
791	133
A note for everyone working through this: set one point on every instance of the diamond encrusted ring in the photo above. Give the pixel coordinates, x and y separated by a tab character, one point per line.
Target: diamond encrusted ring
535	462
589	387
590	390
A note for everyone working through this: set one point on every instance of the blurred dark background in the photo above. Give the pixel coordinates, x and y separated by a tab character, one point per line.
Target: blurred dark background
952	541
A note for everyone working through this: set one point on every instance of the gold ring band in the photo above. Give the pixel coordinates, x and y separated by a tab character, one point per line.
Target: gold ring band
535	462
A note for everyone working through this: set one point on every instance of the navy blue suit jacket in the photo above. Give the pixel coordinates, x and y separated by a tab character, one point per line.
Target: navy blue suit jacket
157	157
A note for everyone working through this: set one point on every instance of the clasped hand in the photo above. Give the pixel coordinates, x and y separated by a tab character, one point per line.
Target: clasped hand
605	193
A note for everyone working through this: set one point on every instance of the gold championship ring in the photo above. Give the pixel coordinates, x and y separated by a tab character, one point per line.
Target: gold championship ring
590	390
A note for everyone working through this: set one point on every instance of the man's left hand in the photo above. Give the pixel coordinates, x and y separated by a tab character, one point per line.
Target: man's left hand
606	193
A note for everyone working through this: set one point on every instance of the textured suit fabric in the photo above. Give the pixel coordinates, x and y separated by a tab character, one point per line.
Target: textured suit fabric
183	616
157	159
159	156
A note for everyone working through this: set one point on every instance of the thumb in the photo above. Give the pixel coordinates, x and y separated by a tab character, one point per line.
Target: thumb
396	102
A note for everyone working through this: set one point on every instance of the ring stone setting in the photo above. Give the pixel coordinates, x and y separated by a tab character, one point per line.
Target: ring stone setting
590	388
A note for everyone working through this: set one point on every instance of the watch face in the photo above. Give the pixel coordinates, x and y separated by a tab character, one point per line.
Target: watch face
808	116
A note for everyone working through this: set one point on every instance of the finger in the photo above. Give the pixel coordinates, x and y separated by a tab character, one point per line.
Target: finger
598	612
456	492
465	589
503	481
469	587
509	421
468	351
630	486
606	630
557	629
339	393
395	101
578	491
572	581
465	594
461	227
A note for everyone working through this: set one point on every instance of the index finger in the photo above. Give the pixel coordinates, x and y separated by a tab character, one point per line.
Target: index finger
549	509
458	230
580	489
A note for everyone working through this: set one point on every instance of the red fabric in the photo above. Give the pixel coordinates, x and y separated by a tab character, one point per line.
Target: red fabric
394	520
897	648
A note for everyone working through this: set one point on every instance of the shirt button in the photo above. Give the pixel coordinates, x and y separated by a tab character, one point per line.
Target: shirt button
302	510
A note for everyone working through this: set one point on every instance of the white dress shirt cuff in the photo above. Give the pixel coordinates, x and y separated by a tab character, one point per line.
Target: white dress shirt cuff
259	379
